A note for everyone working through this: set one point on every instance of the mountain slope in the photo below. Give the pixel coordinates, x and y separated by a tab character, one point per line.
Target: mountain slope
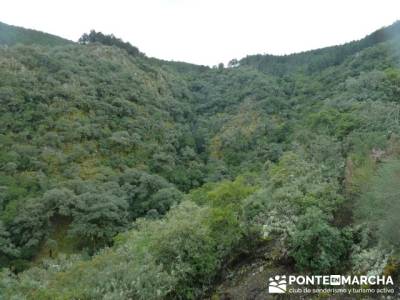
11	35
171	181
317	60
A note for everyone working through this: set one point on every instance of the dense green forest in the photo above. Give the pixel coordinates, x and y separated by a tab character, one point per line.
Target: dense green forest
128	177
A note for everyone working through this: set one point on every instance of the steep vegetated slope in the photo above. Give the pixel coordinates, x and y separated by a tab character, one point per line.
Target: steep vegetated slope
314	61
126	177
11	35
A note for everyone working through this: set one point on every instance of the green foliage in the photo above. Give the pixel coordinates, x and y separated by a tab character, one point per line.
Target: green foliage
177	256
11	35
225	194
379	207
174	257
320	59
109	40
147	192
317	245
7	248
296	207
181	169
97	218
331	122
301	184
225	200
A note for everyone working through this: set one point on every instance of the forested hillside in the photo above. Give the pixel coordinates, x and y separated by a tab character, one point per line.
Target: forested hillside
11	35
128	177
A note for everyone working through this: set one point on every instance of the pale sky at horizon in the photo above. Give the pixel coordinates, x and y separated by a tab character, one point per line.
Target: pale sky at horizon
205	31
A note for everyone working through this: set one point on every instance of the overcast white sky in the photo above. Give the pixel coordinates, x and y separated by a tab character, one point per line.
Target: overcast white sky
208	31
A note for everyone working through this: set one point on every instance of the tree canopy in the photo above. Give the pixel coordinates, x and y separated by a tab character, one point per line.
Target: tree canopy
128	177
